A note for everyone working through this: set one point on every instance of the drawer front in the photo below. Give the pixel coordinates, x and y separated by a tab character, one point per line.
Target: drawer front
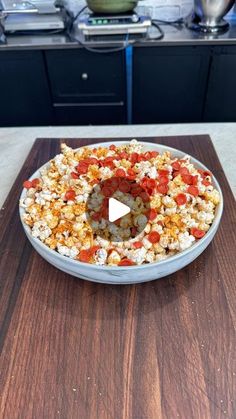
89	115
82	77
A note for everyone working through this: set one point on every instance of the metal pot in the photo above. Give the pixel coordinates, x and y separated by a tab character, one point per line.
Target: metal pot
211	12
112	6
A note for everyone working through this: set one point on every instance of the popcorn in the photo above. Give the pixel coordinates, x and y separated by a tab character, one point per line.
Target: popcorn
135	147
27	202
150	257
105	173
213	196
101	257
114	258
182	200
51	220
66	251
140	220
168	202
137	256
41	230
185	240
147	244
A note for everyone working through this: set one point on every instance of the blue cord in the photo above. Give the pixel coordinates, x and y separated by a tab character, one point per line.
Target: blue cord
129	81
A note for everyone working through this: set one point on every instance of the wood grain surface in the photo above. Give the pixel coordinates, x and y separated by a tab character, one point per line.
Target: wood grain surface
72	349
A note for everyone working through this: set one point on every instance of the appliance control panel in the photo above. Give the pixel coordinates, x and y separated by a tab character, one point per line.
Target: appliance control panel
113	20
112	25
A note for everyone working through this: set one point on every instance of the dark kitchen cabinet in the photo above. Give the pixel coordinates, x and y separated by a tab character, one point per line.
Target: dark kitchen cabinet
72	86
25	98
220	103
169	84
87	88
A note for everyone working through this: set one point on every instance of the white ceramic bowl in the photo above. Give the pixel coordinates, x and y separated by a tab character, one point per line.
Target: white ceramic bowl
132	274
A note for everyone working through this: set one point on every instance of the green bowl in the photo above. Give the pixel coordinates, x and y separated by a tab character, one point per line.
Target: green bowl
112	6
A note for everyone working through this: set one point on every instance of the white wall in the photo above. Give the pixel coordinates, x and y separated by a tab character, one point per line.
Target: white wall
162	9
166	9
159	9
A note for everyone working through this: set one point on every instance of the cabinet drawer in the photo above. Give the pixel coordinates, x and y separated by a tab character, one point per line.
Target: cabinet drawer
96	114
82	77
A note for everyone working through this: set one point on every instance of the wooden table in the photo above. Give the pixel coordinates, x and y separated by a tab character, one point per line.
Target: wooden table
78	350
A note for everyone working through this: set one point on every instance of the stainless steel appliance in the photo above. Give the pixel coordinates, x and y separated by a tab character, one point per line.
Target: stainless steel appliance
113	25
208	15
31	15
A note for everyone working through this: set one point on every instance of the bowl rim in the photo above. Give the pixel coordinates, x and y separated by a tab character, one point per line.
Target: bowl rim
176	257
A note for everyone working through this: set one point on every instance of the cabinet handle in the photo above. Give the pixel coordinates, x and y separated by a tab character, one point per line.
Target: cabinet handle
84	76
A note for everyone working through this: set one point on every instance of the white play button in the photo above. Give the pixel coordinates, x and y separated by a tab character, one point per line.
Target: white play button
116	210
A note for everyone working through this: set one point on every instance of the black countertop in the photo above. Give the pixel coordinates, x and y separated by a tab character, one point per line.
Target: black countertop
173	36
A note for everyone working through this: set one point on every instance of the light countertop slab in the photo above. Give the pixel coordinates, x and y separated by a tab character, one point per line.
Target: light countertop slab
15	143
